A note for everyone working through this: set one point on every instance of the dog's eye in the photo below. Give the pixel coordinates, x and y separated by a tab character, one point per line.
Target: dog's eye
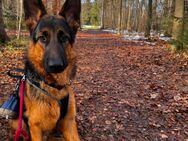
43	37
62	37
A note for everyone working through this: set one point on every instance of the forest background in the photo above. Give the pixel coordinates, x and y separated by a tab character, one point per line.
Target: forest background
142	17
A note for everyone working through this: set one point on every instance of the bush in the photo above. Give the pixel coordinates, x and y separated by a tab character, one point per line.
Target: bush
15	43
181	44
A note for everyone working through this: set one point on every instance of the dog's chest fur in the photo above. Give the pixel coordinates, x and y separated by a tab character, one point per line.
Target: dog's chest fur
42	109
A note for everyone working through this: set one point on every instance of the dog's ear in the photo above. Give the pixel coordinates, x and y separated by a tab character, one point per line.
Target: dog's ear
34	10
71	12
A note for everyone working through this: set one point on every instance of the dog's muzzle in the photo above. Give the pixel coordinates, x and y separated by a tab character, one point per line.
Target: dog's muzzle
55	65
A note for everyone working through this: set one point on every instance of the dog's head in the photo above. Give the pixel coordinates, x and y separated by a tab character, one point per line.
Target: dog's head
52	35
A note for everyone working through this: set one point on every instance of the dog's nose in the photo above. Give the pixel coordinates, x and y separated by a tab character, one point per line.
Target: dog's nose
56	65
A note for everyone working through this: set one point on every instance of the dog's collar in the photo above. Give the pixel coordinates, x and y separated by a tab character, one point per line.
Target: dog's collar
35	78
36	86
53	85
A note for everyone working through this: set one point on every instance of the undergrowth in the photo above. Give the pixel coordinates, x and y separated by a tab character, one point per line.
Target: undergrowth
17	44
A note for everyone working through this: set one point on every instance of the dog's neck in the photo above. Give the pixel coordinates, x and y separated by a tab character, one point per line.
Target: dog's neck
36	78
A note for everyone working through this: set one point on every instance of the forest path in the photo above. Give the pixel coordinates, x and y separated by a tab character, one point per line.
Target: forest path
125	90
129	90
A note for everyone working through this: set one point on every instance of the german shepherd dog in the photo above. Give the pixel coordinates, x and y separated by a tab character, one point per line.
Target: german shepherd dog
49	99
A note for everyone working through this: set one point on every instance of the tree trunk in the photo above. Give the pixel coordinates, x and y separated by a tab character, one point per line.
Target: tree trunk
3	35
141	17
17	14
149	19
124	19
155	15
20	19
120	17
178	20
138	9
102	15
113	14
129	15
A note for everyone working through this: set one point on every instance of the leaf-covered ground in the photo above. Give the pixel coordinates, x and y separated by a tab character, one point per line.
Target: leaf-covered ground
125	91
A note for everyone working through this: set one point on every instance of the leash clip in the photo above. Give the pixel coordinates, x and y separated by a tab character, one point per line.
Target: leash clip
23	78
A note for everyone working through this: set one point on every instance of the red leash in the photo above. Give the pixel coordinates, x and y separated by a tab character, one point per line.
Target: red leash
20	132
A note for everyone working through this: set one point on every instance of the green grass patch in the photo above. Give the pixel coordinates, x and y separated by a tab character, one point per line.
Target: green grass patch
17	44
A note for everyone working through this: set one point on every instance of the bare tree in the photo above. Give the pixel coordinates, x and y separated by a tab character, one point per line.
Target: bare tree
17	14
149	19
20	18
3	35
102	15
120	16
178	20
129	15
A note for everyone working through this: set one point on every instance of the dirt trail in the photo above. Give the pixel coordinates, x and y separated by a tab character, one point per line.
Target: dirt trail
125	91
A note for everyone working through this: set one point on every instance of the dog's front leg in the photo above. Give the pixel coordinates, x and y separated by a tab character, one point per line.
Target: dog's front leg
68	125
69	129
35	131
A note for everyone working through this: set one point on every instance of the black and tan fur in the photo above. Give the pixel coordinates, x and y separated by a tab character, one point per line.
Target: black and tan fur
51	63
